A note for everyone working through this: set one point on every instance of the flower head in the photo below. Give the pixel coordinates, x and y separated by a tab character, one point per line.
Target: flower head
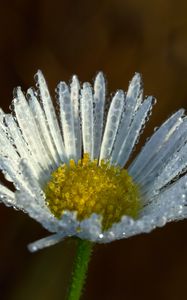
69	172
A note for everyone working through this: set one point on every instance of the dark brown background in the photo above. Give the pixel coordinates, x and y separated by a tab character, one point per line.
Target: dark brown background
83	37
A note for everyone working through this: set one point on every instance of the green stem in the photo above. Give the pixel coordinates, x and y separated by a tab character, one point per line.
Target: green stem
84	250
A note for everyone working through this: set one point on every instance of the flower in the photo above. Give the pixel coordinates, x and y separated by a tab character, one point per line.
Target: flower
68	172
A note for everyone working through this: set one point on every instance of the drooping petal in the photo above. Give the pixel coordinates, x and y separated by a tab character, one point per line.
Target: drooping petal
46	242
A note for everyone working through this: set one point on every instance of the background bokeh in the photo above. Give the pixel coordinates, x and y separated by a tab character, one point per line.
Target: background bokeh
83	37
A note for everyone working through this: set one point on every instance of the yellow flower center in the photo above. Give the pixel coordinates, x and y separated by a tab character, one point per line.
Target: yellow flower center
87	188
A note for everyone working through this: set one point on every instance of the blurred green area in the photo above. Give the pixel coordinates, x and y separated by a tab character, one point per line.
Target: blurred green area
82	37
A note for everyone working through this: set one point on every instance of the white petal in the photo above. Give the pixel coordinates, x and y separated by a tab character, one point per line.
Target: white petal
2	114
75	100
112	124
155	143
170	202
7	196
171	165
175	141
128	141
29	204
99	101
87	118
125	228
11	172
7	149
30	131
33	185
133	97
176	165
133	100
21	146
90	228
69	223
42	125
67	119
51	115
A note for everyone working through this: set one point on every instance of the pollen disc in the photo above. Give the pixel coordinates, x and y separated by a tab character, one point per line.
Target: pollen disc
86	187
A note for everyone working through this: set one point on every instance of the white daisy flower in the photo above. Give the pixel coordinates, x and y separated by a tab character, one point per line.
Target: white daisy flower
69	171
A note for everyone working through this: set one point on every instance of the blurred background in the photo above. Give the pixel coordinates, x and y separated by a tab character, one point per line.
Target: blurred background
82	37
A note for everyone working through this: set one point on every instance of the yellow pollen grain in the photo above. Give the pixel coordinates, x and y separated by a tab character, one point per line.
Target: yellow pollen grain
86	187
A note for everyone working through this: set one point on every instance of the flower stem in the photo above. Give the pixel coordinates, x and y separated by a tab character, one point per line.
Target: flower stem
84	250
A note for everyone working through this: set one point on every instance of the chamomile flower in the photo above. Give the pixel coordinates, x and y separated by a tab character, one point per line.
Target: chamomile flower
69	171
